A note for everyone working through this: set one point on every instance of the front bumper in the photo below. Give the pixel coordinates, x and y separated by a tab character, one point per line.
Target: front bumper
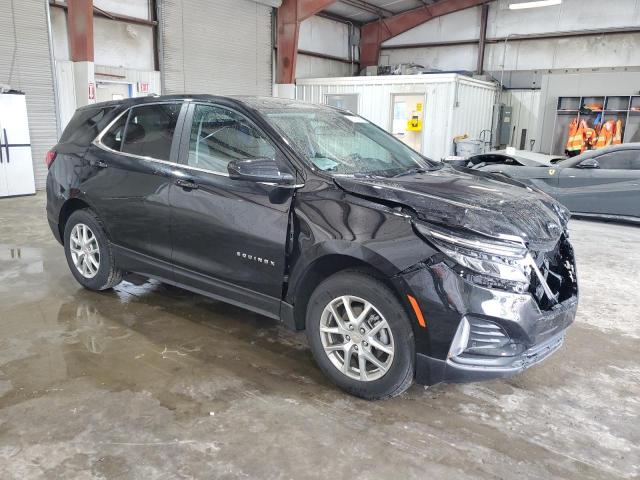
524	335
430	370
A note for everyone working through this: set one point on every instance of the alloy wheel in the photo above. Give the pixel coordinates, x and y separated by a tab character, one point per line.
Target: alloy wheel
85	251
356	338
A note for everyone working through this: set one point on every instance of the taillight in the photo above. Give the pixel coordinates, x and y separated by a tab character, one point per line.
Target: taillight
50	157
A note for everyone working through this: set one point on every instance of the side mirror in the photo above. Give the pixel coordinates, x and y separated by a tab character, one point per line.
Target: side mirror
258	170
589	163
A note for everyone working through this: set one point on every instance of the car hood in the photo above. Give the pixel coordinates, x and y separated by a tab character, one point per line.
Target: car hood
474	201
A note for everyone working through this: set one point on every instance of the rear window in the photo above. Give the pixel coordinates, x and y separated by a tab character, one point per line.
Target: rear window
86	124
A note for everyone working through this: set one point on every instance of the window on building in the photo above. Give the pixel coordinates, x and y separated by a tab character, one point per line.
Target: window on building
344	101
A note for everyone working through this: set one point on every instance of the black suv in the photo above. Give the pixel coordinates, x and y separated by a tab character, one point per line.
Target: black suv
398	267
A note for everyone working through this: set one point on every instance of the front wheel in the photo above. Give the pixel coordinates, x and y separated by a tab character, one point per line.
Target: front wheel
361	336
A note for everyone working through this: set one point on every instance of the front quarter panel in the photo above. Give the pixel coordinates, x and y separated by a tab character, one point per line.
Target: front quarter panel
331	221
332	225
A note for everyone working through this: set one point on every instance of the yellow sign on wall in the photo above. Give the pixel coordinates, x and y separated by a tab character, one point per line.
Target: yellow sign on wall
414	125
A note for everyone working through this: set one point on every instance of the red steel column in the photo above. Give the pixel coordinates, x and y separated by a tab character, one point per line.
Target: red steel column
374	33
80	25
290	15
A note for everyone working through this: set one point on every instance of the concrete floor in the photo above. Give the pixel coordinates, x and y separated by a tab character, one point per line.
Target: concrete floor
151	382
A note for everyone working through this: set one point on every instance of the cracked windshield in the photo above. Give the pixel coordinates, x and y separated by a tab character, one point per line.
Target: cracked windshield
342	144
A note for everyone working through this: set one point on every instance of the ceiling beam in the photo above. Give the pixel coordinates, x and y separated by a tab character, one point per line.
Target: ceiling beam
482	42
373	34
290	15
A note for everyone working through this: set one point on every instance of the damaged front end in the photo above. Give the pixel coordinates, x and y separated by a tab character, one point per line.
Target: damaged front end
501	289
496	306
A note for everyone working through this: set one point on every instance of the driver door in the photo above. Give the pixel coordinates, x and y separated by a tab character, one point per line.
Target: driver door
609	187
228	236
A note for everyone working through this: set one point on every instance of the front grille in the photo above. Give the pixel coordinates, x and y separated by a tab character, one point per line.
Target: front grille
558	271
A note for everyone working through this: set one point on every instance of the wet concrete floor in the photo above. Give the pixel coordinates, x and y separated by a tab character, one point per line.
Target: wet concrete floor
149	381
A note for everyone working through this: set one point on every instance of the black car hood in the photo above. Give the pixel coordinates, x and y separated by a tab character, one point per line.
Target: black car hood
473	201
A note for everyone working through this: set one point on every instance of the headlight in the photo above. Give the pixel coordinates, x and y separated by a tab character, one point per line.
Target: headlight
506	261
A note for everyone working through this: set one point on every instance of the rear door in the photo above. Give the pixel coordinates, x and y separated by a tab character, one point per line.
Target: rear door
611	189
229	236
129	186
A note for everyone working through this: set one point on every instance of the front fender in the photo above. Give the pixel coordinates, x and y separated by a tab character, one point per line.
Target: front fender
335	223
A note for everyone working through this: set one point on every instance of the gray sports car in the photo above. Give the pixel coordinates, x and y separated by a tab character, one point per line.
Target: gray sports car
601	183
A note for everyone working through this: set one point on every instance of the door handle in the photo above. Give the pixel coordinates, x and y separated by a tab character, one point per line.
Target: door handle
6	143
186	184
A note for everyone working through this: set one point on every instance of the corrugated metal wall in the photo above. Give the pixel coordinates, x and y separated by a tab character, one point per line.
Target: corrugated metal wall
218	47
308	66
526	112
442	119
26	66
473	111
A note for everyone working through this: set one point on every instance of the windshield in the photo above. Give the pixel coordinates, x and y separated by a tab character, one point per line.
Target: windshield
339	143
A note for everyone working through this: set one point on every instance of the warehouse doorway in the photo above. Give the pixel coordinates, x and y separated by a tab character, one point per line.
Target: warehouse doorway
108	91
407	118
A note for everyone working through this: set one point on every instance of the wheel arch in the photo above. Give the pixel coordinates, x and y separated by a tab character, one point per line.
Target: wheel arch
68	207
321	269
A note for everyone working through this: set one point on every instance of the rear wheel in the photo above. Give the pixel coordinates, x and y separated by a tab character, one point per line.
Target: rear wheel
88	252
360	336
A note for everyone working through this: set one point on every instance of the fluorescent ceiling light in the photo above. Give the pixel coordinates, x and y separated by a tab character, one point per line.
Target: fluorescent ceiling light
536	4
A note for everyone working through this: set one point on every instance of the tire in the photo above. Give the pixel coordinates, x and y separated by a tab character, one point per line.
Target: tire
106	275
396	337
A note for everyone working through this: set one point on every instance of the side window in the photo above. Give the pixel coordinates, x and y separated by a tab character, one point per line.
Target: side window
621	160
220	135
113	137
150	130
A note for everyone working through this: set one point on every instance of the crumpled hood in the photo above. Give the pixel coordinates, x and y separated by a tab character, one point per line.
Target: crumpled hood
473	201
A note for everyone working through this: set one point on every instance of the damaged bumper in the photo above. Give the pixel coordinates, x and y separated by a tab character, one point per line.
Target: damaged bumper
473	368
477	333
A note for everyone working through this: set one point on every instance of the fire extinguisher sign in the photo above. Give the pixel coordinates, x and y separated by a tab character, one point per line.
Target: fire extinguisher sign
92	91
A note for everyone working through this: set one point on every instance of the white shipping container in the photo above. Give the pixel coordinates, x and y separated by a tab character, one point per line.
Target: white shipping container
453	104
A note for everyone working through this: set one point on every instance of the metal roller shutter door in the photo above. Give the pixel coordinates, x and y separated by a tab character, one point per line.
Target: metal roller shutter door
219	47
25	45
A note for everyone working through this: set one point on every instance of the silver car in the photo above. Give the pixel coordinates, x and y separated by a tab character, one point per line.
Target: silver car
601	183
514	158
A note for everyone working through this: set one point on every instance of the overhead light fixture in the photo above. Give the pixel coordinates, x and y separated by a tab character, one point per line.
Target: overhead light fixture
536	4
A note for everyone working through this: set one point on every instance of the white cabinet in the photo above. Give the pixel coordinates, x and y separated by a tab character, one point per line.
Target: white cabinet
16	166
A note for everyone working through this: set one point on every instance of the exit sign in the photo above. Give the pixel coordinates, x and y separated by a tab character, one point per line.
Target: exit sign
143	87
